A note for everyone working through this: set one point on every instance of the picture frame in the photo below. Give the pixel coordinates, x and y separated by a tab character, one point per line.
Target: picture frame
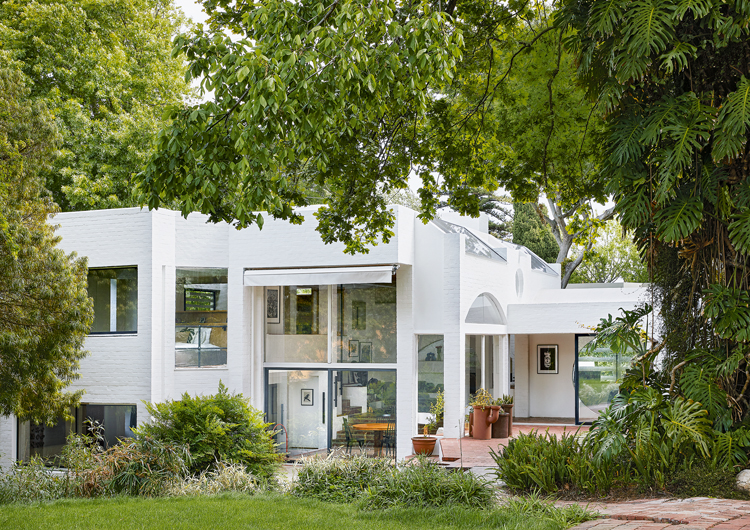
354	349
547	358
307	399
365	352
273	305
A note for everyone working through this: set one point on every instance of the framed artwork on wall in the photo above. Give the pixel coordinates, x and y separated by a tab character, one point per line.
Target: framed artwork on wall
365	352
273	310
307	397
547	359
354	349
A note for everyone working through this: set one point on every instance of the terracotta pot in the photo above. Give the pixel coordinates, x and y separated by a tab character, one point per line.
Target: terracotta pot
471	423
484	417
500	427
509	410
423	445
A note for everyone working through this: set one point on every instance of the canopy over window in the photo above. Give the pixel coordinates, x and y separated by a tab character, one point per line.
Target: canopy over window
485	310
322	276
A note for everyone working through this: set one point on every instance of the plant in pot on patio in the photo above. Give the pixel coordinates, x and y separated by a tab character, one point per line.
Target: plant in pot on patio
425	444
500	427
506	402
485	414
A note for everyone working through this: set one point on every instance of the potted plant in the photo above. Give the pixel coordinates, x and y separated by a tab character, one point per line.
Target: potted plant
506	402
485	414
500	427
437	409
425	444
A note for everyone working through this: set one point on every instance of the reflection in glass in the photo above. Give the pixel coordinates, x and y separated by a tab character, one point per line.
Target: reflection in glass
200	317
366	323
296	400
302	333
364	411
115	296
430	379
473	365
599	376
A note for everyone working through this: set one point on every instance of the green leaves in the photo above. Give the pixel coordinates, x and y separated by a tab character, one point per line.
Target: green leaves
308	96
680	218
730	310
733	122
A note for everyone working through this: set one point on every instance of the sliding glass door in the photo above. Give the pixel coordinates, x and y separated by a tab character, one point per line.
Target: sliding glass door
296	404
314	411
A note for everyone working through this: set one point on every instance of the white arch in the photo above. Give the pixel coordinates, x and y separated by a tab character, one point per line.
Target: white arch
485	310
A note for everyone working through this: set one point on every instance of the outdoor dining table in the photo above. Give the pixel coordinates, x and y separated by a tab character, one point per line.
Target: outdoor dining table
377	429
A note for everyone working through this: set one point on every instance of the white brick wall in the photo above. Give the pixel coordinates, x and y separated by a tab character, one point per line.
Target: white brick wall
437	283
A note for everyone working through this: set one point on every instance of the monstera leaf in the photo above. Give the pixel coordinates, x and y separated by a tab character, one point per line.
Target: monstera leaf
739	232
680	218
733	121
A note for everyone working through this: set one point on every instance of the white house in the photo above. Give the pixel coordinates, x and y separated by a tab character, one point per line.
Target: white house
329	345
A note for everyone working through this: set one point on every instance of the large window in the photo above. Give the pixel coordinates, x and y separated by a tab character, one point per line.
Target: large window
115	295
200	318
430	375
297	323
356	322
47	441
366	324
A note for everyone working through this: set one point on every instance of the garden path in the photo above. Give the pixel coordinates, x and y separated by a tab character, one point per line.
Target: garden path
696	513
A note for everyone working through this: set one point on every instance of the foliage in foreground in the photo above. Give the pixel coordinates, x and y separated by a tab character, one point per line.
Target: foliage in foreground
221	427
45	311
230	512
137	466
377	484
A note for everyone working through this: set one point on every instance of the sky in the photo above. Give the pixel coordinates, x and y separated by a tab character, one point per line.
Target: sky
192	9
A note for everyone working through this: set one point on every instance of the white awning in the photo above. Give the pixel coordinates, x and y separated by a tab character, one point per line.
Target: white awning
327	276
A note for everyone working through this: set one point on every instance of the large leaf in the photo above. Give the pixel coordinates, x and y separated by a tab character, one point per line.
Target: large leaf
606	15
739	232
685	419
699	383
679	219
649	27
734	118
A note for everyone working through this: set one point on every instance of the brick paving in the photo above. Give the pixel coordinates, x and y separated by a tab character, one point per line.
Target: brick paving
696	513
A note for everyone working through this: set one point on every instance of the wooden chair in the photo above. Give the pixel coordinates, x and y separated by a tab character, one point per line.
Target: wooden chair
351	438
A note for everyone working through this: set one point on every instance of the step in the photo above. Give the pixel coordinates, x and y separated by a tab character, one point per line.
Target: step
450	449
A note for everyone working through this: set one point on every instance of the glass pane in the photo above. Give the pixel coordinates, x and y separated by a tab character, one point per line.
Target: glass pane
600	373
430	375
300	331
366	323
364	417
297	403
117	420
43	441
473	365
200	317
115	296
484	311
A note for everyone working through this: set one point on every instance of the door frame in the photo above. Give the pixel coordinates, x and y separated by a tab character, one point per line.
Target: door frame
327	403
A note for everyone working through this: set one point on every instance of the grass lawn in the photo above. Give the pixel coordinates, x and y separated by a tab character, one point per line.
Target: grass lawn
267	512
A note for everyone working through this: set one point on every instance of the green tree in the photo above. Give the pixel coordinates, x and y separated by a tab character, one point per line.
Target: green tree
45	311
529	231
105	70
673	78
614	257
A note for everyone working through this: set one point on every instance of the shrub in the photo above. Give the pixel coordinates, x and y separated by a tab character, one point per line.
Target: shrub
422	483
546	463
705	479
222	427
339	479
32	482
224	478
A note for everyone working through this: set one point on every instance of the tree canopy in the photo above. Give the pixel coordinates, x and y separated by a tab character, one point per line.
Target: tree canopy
673	77
105	70
529	231
614	257
45	312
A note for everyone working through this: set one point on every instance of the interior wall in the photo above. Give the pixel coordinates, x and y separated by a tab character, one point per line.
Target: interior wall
550	395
